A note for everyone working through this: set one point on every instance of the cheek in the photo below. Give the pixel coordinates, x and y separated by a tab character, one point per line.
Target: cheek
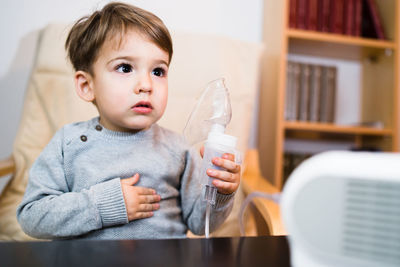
112	91
113	96
164	102
113	101
163	97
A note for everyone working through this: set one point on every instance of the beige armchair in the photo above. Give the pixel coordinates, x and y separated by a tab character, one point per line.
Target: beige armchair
50	102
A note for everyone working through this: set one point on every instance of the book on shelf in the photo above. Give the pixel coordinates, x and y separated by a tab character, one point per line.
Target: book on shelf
310	92
292	91
348	17
312	15
301	14
304	103
328	94
315	90
357	17
289	91
371	22
336	16
324	8
293	14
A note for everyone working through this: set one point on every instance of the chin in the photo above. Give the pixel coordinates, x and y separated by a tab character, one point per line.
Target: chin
140	127
142	124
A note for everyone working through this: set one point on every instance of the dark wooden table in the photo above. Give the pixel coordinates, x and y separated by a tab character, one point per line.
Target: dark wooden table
221	252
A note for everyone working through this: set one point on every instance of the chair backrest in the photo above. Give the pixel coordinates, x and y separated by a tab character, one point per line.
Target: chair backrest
51	101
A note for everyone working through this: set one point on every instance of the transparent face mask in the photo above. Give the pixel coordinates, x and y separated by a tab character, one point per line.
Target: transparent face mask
213	107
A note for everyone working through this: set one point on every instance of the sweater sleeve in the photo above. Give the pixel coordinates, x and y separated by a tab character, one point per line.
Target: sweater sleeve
193	206
49	210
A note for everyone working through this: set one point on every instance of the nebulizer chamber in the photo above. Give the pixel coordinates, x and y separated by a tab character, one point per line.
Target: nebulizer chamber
216	145
208	120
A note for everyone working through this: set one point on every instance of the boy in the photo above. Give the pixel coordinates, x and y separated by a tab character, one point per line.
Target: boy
120	175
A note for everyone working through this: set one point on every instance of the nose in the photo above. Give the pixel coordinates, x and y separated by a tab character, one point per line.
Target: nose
144	84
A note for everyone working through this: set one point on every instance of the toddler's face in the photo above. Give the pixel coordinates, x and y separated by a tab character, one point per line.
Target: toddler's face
130	83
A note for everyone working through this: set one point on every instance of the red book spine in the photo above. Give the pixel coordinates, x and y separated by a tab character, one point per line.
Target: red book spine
312	15
336	23
292	13
324	14
375	19
357	17
301	14
348	17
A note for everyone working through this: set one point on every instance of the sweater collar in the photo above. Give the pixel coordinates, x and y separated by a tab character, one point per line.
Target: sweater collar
100	129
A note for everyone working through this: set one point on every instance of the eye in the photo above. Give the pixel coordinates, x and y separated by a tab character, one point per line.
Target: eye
158	72
124	68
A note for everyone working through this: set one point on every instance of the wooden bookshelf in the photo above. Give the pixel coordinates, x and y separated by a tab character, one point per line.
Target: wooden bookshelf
340	39
379	84
338	129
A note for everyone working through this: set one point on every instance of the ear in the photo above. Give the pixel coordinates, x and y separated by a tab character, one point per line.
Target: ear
83	86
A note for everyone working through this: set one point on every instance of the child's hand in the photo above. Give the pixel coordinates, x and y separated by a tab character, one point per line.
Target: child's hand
228	180
140	202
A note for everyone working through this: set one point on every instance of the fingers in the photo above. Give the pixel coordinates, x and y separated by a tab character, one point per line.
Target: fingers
225	187
145	211
148	207
131	181
141	202
143	215
149	198
222	175
145	191
229	156
229	172
140	190
226	182
227	163
228	178
140	206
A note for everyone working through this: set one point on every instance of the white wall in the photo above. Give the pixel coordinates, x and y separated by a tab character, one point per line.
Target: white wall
21	19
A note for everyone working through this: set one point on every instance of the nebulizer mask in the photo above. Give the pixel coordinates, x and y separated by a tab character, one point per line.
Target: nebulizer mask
208	121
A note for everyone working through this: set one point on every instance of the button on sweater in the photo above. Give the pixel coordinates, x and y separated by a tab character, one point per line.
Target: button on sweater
74	188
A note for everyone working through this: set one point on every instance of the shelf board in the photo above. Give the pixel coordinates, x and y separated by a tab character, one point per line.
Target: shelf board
339	38
334	128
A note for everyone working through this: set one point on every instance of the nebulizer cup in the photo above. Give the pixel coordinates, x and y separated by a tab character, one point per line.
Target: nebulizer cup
208	121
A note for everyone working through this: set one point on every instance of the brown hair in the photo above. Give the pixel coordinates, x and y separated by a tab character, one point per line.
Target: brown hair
88	34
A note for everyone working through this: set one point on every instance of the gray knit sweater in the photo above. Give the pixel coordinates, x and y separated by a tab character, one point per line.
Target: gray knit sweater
74	187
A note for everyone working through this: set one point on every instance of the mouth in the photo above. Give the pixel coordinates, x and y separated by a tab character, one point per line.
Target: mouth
142	107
